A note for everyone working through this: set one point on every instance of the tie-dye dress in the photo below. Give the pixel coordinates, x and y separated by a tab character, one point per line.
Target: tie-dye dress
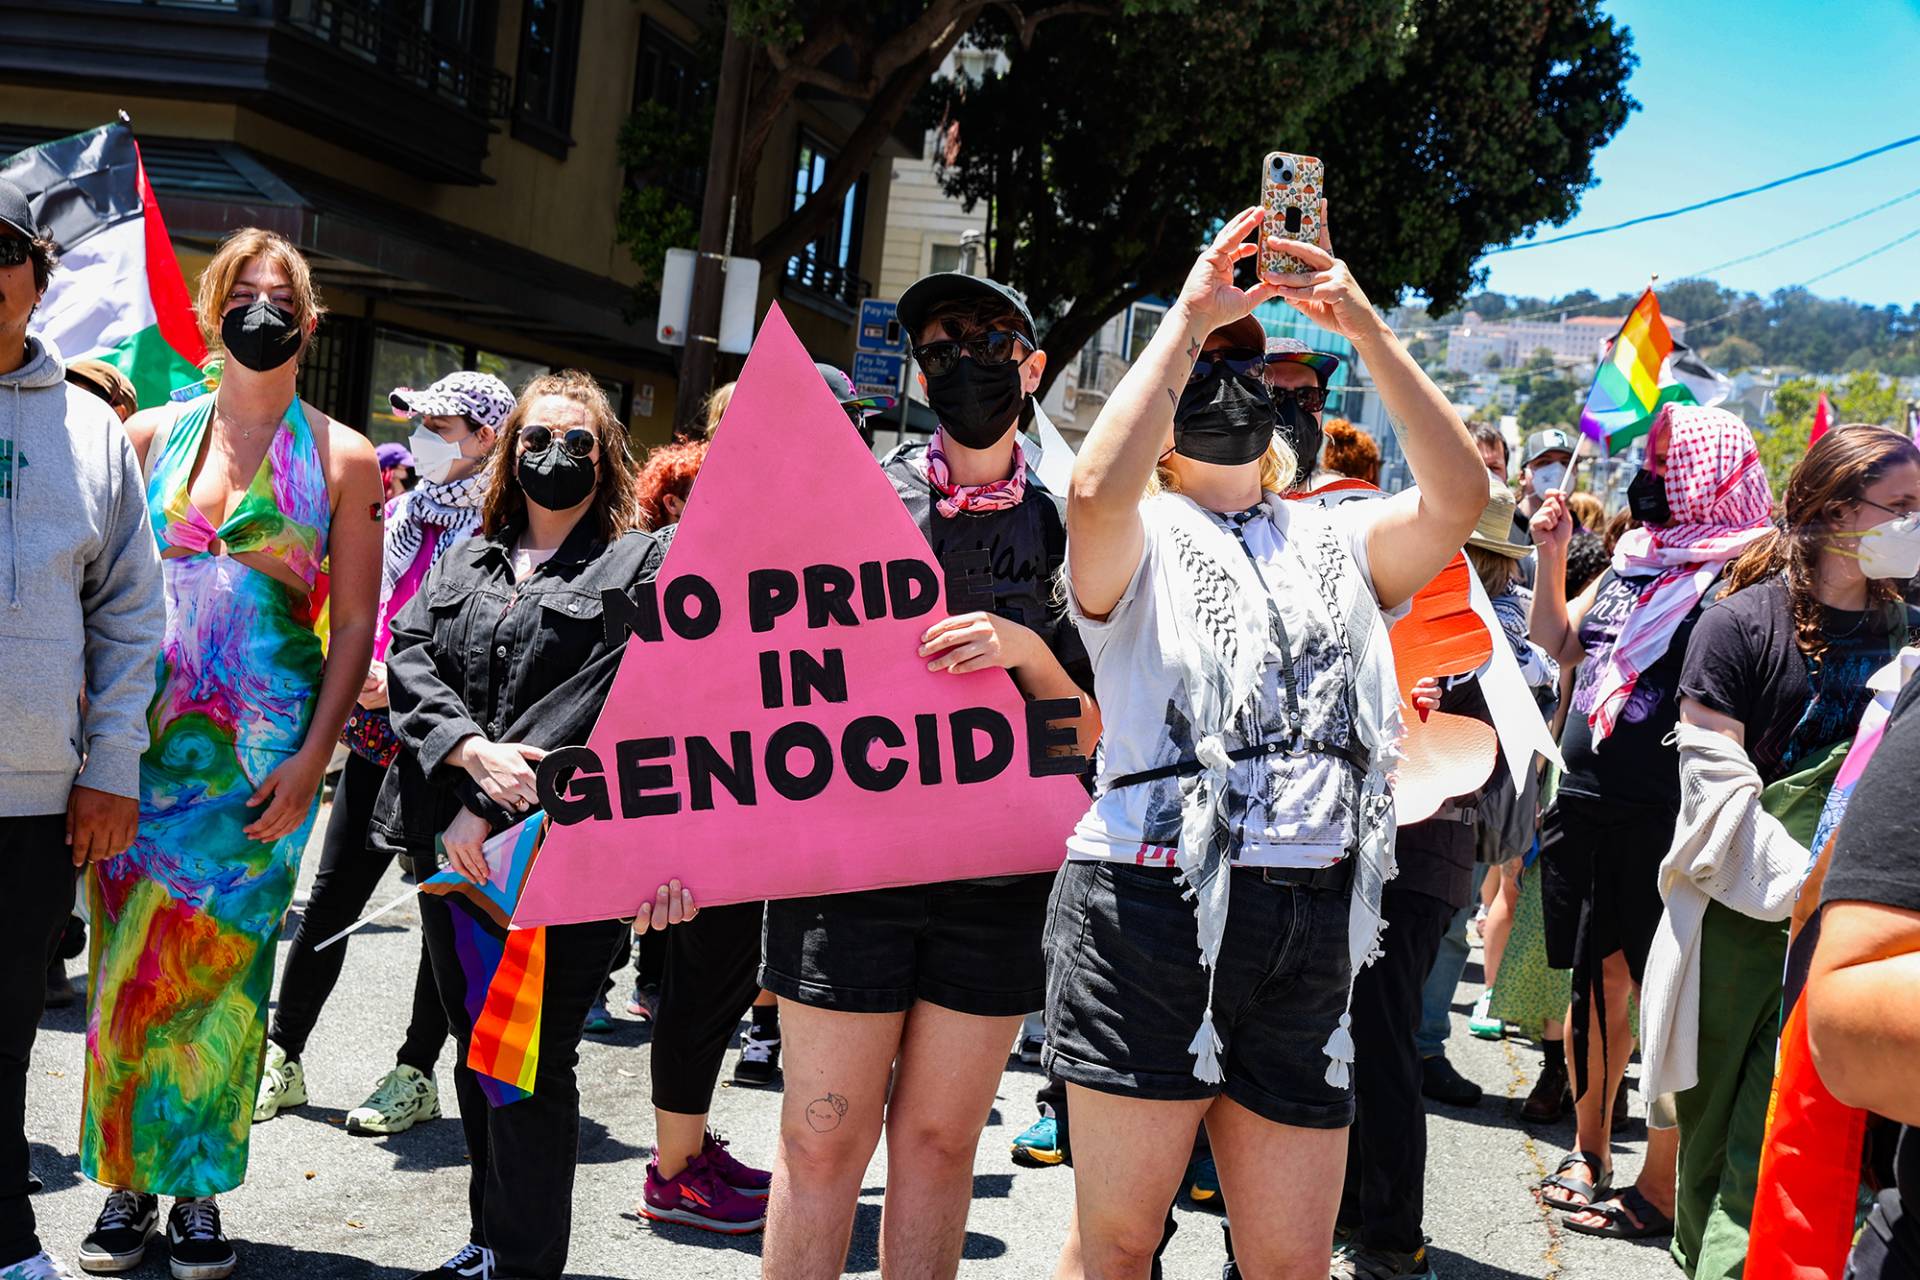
185	921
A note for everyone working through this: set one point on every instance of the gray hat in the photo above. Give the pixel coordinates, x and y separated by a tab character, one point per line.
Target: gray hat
928	292
15	211
850	397
1552	440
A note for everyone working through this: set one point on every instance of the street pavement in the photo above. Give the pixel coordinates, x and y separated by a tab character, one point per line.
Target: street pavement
321	1203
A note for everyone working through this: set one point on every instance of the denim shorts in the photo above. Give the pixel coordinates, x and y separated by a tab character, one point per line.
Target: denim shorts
1125	990
972	946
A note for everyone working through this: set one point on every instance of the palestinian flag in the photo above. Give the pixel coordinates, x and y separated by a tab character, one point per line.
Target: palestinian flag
1645	369
118	295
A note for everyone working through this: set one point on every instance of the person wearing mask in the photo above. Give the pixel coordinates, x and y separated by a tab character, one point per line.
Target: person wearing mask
458	417
1774	685
1543	468
1493	450
82	609
500	657
1702	500
1241	657
249	489
396	468
897	1005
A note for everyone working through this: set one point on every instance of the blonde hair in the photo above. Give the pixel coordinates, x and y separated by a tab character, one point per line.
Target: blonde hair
716	407
616	507
1497	573
1588	510
1278	469
232	257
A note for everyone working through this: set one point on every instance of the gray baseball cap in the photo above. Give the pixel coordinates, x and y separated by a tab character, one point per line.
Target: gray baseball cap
1552	440
928	292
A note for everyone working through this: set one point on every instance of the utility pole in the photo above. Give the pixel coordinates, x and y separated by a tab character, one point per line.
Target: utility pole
717	206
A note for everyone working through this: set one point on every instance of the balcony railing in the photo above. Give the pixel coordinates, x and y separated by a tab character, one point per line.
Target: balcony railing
828	280
362	30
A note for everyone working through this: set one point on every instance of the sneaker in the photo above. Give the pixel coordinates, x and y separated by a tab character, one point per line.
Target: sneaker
1551	1098
1203	1182
40	1266
1481	1021
744	1178
283	1085
759	1063
1039	1146
196	1247
1439	1081
1360	1262
1030	1049
118	1241
473	1262
645	1002
699	1197
404	1097
599	1022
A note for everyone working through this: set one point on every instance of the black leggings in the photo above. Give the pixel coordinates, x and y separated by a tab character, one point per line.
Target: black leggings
349	873
712	962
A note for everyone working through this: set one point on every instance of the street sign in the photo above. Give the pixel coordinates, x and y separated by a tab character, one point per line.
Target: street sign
739	300
879	326
871	369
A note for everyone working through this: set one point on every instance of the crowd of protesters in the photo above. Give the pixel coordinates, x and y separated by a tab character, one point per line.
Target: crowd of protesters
1237	984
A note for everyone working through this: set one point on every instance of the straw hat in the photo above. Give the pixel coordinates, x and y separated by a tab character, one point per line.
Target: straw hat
1495	531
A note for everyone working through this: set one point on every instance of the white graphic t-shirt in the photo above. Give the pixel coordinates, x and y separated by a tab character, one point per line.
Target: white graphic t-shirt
1288	810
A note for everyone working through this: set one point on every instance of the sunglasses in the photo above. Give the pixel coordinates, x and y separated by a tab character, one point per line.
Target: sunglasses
937	359
578	441
1229	360
1310	399
14	251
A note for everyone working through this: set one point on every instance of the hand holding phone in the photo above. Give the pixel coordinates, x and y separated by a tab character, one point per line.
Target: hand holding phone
1292	188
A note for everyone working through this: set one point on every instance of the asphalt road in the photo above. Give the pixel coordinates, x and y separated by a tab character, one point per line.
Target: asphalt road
321	1203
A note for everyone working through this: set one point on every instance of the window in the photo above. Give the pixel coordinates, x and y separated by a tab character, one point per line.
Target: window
830	264
549	59
405	360
668	76
512	370
1142	323
945	257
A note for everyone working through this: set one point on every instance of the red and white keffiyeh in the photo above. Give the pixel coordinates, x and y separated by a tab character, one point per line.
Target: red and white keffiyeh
1717	491
956	498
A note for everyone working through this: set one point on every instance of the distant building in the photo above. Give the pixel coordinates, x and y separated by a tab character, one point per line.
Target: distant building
1475	344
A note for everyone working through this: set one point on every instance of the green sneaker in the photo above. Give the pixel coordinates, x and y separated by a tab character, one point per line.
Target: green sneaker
283	1085
402	1099
1481	1021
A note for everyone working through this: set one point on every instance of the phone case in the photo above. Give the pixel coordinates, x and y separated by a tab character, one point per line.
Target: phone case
1292	188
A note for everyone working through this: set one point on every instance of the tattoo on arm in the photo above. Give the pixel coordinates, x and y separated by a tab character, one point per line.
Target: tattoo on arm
1193	349
1173	398
825	1113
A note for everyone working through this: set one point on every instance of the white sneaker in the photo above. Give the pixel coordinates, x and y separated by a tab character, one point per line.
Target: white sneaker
404	1097
40	1266
283	1085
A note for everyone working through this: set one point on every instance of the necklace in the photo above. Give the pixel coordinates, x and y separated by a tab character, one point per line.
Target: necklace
246	433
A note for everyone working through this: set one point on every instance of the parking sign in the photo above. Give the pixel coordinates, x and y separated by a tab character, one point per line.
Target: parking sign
879	326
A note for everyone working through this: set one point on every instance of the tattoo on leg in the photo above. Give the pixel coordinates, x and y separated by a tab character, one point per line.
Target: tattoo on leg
824	1114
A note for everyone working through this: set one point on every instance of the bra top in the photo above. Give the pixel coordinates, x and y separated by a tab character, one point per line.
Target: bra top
283	513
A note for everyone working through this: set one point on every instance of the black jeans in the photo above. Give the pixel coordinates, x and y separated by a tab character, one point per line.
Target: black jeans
349	873
520	1193
1384	1198
36	884
711	963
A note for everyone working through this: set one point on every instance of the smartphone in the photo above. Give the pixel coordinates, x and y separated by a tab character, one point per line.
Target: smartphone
1291	189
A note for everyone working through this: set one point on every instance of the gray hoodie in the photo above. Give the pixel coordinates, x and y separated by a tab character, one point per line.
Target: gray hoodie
82	608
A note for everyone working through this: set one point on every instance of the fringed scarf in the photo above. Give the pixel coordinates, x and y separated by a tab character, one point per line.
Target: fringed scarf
452	509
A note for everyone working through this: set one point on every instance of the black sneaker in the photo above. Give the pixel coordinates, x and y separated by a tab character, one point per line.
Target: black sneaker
196	1247
1439	1081
759	1062
118	1241
60	992
472	1263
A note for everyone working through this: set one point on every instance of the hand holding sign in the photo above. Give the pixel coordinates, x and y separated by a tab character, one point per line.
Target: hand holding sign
976	642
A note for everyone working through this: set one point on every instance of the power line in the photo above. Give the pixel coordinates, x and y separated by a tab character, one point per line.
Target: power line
1787	244
1706	204
1894	243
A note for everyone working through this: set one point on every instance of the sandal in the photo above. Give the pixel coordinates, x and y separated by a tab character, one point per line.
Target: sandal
1632	1218
1571	1185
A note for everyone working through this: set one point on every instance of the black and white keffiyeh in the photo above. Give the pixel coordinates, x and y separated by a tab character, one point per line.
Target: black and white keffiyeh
452	508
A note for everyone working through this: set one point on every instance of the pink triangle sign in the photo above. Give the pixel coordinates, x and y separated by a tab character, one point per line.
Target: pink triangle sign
772	731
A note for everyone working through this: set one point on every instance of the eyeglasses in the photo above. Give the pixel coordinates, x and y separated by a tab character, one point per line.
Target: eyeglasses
937	359
1310	399
14	251
578	441
1892	511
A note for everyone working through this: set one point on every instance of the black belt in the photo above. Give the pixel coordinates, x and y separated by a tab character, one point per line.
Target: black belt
1286	746
1333	878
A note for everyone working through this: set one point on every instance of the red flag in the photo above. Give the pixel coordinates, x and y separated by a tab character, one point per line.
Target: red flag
1822	418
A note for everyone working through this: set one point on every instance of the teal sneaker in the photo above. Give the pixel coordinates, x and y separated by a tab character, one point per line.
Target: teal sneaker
1039	1146
1481	1021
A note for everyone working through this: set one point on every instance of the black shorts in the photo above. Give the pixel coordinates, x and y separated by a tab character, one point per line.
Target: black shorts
1600	879
1125	990
972	946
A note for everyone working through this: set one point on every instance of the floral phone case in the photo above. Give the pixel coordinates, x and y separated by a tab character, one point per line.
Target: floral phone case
1291	189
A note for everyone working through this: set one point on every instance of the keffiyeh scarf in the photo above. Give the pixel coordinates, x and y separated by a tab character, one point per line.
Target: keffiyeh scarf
956	498
453	509
1717	491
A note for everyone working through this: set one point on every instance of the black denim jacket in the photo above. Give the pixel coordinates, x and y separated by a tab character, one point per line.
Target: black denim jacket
474	652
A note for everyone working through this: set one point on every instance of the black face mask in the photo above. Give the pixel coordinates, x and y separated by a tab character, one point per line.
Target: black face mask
260	336
1301	431
1647	498
1225	419
975	402
554	478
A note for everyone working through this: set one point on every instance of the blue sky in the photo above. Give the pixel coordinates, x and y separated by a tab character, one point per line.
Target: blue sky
1738	92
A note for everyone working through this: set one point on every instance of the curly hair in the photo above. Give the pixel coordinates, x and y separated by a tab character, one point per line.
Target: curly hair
669	469
1350	451
1824	486
1587	558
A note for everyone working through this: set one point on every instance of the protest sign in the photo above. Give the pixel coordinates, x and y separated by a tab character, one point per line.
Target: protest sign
772	731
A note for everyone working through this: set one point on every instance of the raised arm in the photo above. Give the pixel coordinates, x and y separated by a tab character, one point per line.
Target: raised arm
1551	624
1104	533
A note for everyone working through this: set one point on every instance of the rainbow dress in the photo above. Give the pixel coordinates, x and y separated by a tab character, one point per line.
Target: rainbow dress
185	922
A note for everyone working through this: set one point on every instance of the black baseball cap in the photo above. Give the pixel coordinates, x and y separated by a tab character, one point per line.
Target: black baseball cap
14	209
929	292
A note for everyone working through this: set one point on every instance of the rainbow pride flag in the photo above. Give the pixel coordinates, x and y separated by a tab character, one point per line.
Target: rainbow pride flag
509	857
1644	370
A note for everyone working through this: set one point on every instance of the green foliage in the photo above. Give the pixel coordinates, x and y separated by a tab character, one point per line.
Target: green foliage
1550	402
1541	359
1734	354
1862	397
660	154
